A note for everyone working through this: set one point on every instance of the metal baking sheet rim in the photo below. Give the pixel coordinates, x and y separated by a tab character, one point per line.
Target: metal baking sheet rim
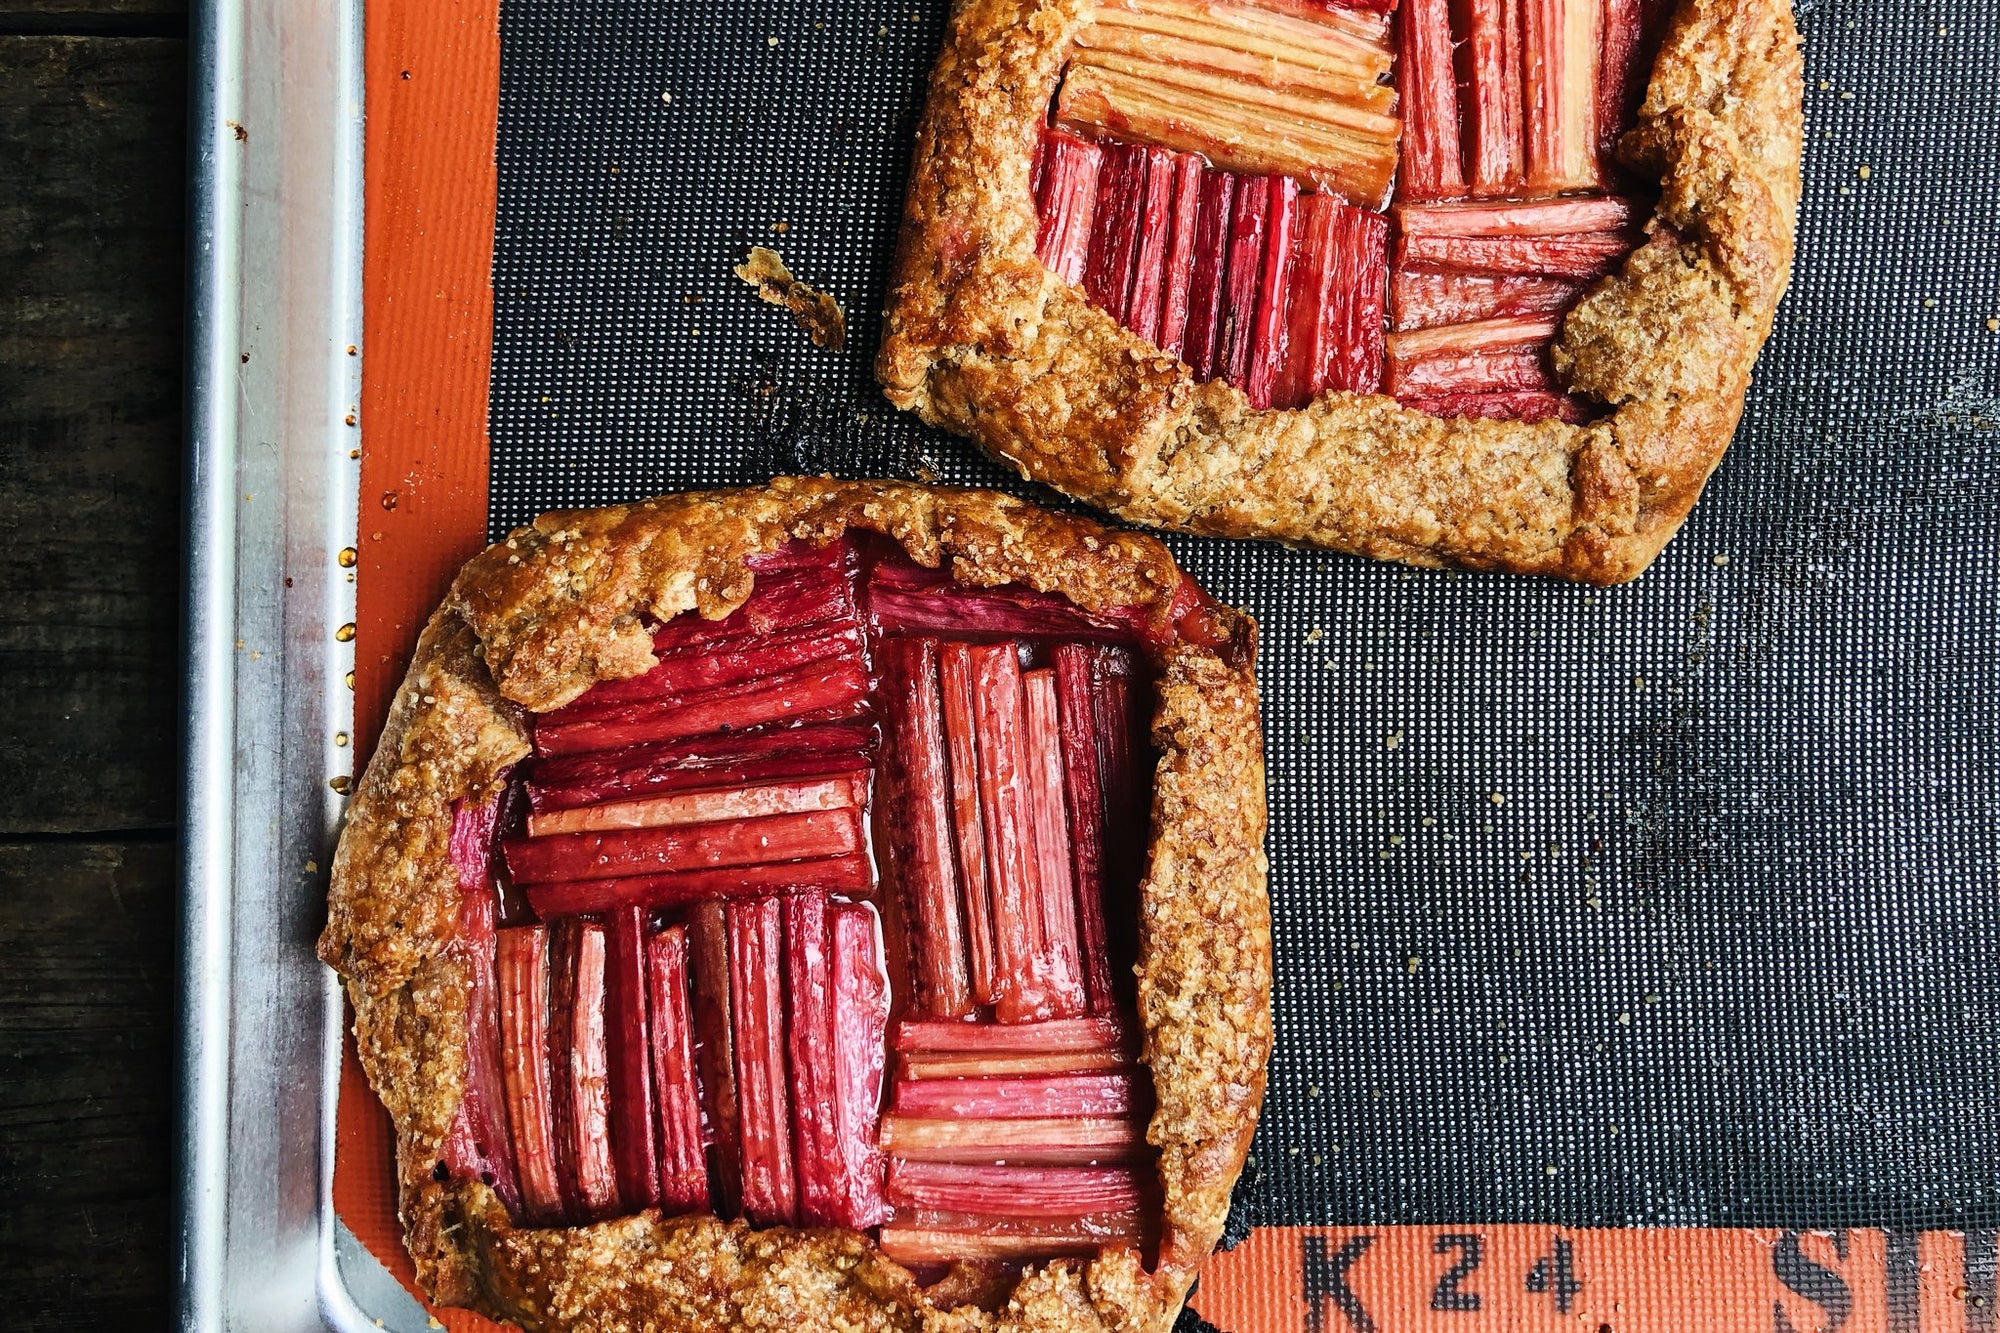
274	299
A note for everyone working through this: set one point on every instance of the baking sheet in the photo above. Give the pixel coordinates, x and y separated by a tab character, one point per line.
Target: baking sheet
1666	905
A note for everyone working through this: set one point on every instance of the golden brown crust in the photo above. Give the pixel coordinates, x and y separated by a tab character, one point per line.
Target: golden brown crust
558	606
983	340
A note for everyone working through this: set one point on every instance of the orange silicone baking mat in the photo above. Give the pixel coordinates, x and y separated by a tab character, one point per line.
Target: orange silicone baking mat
1840	1243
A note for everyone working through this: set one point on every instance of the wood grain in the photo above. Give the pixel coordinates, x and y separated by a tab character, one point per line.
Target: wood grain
91	149
86	1083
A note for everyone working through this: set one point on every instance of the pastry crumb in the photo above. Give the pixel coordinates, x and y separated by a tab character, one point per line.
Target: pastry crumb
816	312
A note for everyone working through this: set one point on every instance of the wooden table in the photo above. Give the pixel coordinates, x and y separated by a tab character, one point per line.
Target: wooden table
92	131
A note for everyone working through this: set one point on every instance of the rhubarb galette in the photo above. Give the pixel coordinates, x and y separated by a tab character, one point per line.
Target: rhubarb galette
827	906
1451	283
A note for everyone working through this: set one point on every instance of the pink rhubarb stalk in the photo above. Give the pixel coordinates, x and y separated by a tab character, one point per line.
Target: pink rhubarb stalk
1180	261
633	1106
1114	238
1208	284
1083	778
1530	405
958	688
1156	225
1068	202
1493	61
1004	1064
1473	372
957	1238
1247	226
708	762
860	1026
1431	167
845	874
1577	258
1064	1141
715	1052
757	1013
1267	349
807	835
837	688
1433	300
683	1167
917	835
1016	1191
705	807
1560	44
1058	937
479	1144
1022	1098
809	1035
1064	1034
523	974
579	1055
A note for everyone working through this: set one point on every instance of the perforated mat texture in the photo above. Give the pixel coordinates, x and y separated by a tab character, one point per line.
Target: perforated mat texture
1670	904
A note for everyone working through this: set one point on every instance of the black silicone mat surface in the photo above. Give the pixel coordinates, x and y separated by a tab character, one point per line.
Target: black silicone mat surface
1669	904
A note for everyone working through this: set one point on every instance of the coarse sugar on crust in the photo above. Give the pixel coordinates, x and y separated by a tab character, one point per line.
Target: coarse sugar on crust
537	619
983	340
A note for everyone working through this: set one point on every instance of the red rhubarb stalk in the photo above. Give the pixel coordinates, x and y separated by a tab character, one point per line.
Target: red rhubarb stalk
845	874
1313	265
1538	217
1059	948
633	1106
860	1026
836	554
1247	225
1024	986
1064	1141
1003	1064
708	762
705	807
1432	300
479	1145
686	676
1474	372
1114	237
1527	406
715	1052
1560	45
1057	1035
1267	345
1493	64
836	688
523	975
652	851
1578	258
785	600
906	605
579	1055
1021	1098
1015	1191
1355	307
917	835
683	1177
1515	333
1127	791
1156	225
1068	200
956	684
1188	171
1083	788
809	1035
757	1012
1621	78
1208	284
1431	168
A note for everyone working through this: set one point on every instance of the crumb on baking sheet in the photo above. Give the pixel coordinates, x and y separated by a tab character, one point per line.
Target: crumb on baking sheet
817	313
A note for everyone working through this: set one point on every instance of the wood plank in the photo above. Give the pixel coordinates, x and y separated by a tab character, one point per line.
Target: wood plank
86	1083
92	150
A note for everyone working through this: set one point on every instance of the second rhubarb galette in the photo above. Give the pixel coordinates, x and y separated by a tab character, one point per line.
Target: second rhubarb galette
828	906
1471	282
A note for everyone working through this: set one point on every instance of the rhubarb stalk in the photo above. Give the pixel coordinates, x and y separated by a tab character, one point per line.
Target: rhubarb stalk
1431	300
633	1107
1560	43
705	807
652	851
1114	235
1027	1097
955	677
917	836
809	1035
757	1013
1246	264
1267	347
579	1055
1493	59
1156	224
479	1144
1064	1141
858	1041
683	1178
1208	284
1068	201
1188	170
1084	793
1059	949
1431	167
523	973
715	1052
846	874
728	760
1016	1191
837	688
1621	79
